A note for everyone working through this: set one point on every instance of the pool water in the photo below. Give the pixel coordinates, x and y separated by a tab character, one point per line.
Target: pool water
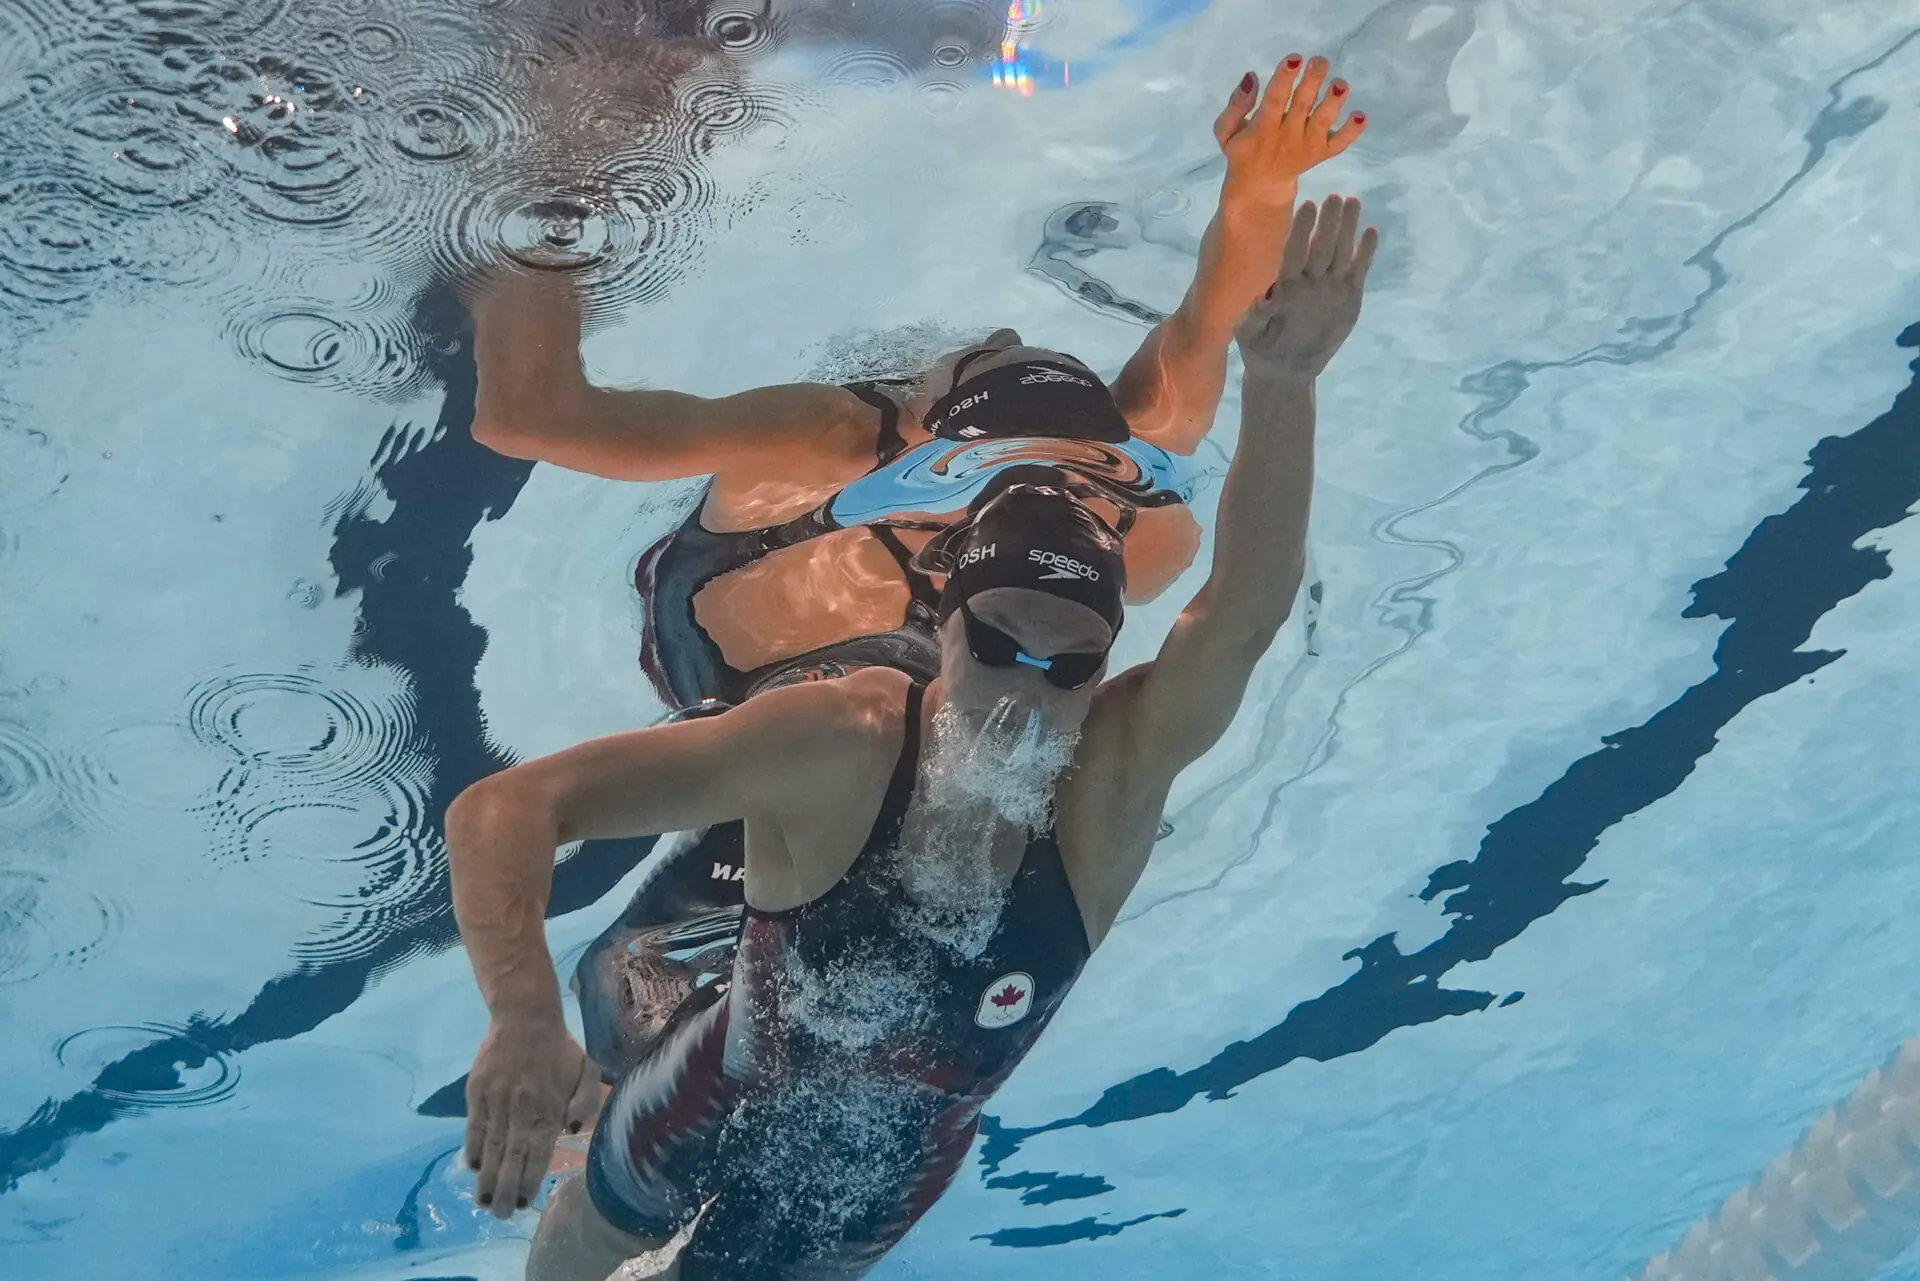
1557	874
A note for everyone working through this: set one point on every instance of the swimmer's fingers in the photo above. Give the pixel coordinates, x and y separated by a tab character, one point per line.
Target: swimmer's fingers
1326	237
584	1106
1347	134
1234	118
1363	256
1290	103
493	1146
1299	241
1320	119
476	1125
528	1151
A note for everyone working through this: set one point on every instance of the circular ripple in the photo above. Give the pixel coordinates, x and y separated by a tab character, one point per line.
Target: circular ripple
301	730
124	128
376	355
941	97
739	28
29	778
49	920
154	766
150	1064
291	138
57	233
437	127
721	107
559	233
377	41
867	69
366	854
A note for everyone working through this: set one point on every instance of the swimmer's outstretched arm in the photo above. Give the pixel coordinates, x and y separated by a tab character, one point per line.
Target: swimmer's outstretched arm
1171	388
531	1078
535	402
1189	694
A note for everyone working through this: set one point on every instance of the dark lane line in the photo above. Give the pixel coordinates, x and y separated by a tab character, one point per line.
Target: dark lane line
1793	568
410	618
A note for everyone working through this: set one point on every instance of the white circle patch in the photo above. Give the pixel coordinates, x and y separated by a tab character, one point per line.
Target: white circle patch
1006	1001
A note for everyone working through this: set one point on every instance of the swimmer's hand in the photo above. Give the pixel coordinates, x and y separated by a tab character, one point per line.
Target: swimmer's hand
1290	131
1315	302
530	1079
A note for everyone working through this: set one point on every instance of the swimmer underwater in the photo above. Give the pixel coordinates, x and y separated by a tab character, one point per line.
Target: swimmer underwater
928	865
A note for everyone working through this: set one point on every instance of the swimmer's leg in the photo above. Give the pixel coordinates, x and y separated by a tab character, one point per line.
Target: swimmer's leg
574	1243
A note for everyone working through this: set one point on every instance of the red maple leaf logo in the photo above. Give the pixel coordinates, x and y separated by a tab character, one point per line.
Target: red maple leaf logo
1009	995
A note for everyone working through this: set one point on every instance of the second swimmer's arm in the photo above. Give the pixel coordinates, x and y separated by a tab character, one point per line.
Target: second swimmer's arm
1171	388
534	402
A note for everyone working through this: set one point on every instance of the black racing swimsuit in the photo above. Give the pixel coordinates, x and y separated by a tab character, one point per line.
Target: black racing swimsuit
683	662
809	1101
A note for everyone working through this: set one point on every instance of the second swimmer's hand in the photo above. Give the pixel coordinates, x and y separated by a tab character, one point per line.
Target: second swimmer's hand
1316	299
1271	139
530	1080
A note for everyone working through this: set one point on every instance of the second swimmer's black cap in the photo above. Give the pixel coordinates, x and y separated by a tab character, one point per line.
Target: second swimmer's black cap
1027	532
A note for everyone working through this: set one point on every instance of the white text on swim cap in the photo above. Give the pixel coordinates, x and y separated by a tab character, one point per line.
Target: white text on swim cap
973	554
1052	376
966	404
1063	566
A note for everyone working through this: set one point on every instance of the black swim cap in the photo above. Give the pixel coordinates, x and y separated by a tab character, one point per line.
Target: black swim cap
1055	396
1027	533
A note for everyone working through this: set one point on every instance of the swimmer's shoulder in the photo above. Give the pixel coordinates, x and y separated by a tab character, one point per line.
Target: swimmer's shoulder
837	729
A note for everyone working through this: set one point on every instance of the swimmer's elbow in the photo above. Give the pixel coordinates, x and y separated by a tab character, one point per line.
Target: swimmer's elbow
500	812
516	430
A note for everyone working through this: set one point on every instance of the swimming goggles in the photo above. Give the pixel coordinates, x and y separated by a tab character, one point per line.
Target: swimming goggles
992	647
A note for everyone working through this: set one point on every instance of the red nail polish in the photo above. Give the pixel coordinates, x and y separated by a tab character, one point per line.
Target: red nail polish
1338	90
1359	117
1247	82
1269	291
1292	63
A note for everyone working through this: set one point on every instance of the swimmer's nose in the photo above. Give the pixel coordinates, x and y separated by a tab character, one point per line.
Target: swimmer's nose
1004	338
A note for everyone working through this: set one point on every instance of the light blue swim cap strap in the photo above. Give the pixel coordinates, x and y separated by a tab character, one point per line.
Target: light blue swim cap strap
910	484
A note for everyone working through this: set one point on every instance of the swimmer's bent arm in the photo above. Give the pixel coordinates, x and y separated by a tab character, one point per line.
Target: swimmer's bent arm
534	402
753	762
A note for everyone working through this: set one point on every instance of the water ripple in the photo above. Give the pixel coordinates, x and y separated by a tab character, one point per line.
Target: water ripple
867	69
374	354
367	854
292	144
151	766
150	1065
739	28
301	730
717	108
56	234
50	920
29	778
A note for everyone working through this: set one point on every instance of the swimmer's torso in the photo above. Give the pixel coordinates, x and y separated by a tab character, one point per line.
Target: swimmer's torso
857	1038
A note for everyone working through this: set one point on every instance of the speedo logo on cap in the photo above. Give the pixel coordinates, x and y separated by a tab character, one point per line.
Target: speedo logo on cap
1060	565
974	555
1044	375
